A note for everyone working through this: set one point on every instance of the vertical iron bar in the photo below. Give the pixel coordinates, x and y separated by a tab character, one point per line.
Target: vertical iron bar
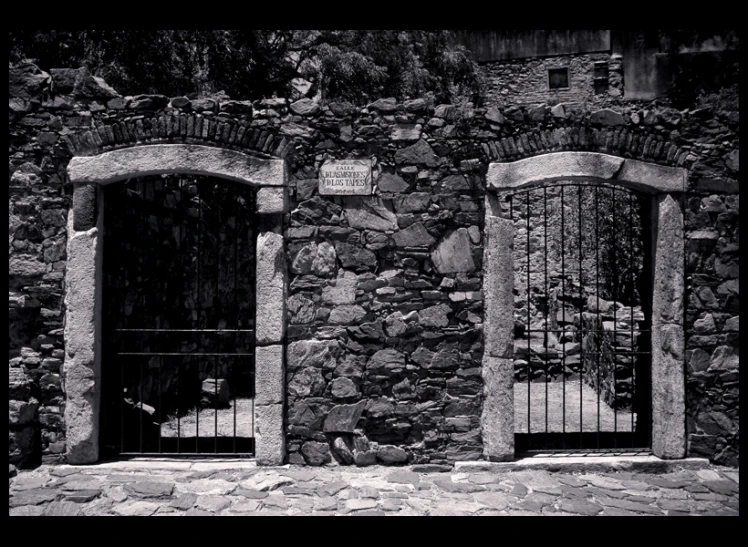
160	293
199	311
140	400
598	323
215	402
562	239
179	361
615	321
253	315
123	280
140	364
631	326
547	304
217	205
160	402
582	363
529	325
236	306
511	208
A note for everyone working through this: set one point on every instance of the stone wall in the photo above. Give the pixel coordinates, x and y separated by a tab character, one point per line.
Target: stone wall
385	293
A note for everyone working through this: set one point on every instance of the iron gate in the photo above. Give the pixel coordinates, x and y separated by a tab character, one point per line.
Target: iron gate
178	367
582	318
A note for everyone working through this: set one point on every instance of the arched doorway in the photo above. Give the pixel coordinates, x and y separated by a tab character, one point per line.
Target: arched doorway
661	294
86	333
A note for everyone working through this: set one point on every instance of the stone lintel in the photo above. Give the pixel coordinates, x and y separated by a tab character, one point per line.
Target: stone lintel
82	366
270	289
191	159
270	435
645	176
497	418
270	385
668	339
498	324
271	201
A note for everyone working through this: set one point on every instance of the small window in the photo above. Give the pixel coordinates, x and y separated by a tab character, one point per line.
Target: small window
558	78
602	73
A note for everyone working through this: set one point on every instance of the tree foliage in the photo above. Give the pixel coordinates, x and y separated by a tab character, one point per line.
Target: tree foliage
249	64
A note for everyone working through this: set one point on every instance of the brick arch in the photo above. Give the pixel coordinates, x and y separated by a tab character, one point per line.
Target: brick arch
84	280
666	184
226	131
623	141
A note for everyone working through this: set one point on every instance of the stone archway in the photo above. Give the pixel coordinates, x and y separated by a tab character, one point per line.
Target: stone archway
665	184
84	280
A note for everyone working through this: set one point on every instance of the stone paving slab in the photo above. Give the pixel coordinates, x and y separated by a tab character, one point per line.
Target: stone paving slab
240	488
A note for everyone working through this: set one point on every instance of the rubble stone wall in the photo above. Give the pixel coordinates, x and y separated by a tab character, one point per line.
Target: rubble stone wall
385	298
526	81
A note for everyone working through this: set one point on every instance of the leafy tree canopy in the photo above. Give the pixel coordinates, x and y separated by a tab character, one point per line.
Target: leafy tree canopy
356	65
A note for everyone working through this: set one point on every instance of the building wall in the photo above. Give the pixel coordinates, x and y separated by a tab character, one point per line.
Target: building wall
385	294
525	81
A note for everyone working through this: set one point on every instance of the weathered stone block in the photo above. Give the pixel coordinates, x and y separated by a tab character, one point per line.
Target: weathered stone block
497	418
406	132
270	437
305	107
343	291
346	315
82	331
663	178
308	382
369	214
343	418
455	183
84	207
26	267
668	392
311	353
177	158
271	288
353	256
453	254
320	260
435	316
606	117
419	153
669	288
300	310
391	454
316	454
270	386
417	202
22	413
385	106
271	201
343	388
389	182
414	235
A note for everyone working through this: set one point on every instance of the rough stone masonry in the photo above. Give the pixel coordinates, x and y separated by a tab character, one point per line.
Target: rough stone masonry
385	294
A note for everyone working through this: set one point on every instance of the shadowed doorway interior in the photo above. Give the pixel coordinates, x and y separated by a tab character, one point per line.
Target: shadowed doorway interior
179	317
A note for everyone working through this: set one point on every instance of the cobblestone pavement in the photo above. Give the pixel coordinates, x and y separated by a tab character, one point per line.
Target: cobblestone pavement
204	489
